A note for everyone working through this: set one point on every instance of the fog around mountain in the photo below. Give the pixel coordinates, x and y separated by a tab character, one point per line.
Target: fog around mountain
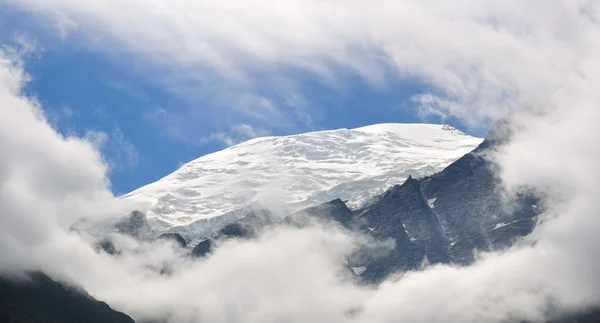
546	79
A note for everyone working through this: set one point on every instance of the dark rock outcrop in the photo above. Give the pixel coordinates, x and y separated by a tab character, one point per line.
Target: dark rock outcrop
43	300
107	246
203	248
448	216
586	316
470	206
252	224
135	224
404	216
176	237
335	210
244	228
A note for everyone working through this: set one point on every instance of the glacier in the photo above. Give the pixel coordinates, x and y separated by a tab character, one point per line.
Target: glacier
289	173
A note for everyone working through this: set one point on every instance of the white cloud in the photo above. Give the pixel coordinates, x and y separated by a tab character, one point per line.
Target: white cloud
538	58
45	178
460	48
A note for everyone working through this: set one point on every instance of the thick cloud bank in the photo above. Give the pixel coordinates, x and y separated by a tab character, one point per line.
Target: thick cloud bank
540	60
480	57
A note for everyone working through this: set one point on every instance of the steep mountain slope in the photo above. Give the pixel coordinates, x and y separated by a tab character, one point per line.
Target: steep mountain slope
442	218
471	208
43	300
447	216
301	170
403	215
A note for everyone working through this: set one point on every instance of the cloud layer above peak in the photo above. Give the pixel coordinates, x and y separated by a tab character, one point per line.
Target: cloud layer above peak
459	49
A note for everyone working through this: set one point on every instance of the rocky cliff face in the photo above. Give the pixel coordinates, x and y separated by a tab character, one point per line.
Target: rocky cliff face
467	199
448	216
404	216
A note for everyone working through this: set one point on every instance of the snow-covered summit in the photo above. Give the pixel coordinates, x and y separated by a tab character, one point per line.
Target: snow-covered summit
302	170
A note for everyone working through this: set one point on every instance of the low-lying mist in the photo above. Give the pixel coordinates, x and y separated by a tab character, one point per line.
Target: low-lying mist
292	274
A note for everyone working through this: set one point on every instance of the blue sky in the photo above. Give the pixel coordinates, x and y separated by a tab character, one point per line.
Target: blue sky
149	118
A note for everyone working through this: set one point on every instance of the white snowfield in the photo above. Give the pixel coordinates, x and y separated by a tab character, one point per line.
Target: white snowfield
292	172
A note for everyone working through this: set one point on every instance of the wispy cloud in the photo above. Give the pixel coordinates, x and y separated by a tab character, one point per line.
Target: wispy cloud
120	154
230	61
235	135
64	25
218	48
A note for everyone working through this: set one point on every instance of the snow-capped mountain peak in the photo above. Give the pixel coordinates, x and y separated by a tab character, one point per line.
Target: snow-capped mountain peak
301	170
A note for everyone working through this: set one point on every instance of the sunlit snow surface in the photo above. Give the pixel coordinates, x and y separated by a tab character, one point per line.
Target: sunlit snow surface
298	171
